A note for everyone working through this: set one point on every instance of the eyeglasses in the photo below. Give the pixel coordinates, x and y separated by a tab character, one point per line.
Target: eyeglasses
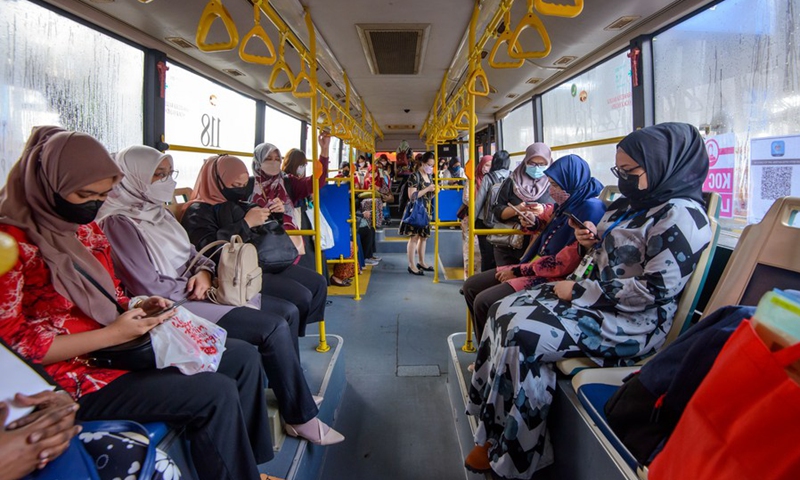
162	177
623	174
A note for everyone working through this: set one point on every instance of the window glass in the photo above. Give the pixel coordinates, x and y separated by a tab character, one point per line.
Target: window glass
737	82
592	106
600	159
44	80
282	130
202	114
518	131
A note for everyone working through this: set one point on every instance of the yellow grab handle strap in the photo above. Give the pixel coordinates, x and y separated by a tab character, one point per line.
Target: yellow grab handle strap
505	37
215	9
257	32
556	10
279	67
303	77
462	119
472	83
531	20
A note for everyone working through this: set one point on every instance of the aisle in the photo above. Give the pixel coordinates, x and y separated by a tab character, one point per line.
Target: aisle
396	413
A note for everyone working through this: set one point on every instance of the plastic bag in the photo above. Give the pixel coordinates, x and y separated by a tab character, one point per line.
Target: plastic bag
188	342
326	234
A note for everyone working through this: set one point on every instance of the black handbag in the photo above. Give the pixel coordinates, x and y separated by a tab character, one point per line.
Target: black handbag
137	354
276	251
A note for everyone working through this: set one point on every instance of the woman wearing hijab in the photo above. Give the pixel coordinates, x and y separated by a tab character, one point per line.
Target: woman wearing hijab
555	253
52	313
643	252
498	172
527	189
151	253
218	210
463	215
453	170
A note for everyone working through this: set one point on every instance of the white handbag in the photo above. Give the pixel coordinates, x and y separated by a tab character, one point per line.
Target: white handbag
238	276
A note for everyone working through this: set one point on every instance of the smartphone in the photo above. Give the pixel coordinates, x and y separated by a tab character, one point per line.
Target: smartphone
577	221
524	214
173	306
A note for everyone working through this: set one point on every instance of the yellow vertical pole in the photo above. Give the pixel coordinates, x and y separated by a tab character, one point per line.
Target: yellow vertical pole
354	221
468	344
317	173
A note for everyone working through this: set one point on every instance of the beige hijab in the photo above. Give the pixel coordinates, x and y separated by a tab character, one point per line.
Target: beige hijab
58	161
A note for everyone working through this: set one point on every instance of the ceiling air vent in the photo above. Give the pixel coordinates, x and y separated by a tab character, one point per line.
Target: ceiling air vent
266	91
512	95
622	22
233	72
394	48
180	42
565	60
401	127
533	80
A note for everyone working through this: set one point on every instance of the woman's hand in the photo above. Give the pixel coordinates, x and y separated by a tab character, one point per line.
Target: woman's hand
324	144
427	189
276	206
198	285
154	304
32	441
535	208
256	216
504	275
587	237
133	324
563	290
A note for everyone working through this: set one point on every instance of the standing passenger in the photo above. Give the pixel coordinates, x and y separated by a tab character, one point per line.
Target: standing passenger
480	172
501	162
420	184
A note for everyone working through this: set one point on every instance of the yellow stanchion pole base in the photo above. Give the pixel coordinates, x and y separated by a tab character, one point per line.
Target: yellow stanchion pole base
469	347
323	347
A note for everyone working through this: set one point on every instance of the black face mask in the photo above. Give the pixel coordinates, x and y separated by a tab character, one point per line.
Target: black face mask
629	187
80	213
239	194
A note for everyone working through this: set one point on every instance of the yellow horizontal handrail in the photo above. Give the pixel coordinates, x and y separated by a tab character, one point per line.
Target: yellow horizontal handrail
446	224
451	179
568	146
301	232
213	151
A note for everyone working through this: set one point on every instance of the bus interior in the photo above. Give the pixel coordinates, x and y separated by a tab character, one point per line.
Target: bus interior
463	79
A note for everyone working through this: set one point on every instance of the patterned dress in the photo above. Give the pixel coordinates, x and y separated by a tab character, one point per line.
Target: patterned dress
418	183
618	315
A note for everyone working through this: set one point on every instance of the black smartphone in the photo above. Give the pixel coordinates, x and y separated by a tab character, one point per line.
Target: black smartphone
577	221
173	306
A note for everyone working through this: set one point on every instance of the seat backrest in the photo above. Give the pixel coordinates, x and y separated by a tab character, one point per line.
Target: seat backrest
766	257
609	194
179	197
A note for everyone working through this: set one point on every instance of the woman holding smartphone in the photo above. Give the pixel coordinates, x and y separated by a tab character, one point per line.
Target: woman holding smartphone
554	254
420	185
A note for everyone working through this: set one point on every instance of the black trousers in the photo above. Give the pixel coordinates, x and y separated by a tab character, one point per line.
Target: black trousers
225	413
367	235
272	336
507	256
305	288
481	291
285	310
486	248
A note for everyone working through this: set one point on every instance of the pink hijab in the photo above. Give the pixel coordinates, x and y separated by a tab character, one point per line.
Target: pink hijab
207	187
57	161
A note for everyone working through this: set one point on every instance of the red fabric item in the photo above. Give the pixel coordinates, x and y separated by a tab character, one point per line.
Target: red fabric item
32	313
743	421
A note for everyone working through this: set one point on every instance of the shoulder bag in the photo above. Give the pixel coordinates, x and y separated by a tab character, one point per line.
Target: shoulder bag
137	354
275	249
238	276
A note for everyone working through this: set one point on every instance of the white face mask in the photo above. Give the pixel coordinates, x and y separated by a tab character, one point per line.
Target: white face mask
271	168
301	171
162	192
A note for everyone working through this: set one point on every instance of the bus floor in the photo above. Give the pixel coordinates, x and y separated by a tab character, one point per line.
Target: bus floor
395	413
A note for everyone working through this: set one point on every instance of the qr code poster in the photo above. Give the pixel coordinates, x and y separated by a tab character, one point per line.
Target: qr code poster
774	173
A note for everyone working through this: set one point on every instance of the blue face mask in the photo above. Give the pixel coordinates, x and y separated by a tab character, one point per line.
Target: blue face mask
535	171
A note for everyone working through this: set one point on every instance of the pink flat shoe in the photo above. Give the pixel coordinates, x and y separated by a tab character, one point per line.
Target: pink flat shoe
316	432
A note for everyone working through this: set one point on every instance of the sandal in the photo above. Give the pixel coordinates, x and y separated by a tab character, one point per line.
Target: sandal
340	283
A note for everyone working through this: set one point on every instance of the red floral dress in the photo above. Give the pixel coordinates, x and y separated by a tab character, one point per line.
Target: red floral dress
32	313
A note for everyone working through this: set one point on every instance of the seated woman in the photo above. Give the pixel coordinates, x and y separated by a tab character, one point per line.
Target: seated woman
526	189
218	209
151	253
554	254
643	252
54	315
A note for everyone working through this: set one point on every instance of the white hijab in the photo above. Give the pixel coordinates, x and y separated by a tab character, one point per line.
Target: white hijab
166	240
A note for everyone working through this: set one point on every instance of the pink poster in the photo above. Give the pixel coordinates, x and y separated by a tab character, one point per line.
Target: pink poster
721	150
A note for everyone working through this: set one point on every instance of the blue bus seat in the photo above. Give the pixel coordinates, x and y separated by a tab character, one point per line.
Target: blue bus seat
691	292
449	202
334	201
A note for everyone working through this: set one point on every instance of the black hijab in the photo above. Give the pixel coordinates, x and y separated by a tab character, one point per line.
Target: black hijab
675	159
500	161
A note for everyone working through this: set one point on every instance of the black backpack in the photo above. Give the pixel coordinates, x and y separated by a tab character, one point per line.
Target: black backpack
644	411
489	218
